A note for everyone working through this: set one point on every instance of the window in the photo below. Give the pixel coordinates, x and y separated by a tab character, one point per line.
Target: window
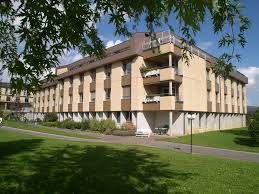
108	71
107	94
70	99
71	81
61	84
17	99
165	91
208	95
93	75
81	97
126	67
81	78
93	96
225	99
126	92
61	100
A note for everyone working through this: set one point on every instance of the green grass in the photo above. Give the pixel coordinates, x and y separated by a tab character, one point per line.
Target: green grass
40	165
57	131
236	139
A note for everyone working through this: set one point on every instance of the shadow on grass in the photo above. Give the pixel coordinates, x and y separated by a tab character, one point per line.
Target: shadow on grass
246	141
15	147
238	132
90	169
243	138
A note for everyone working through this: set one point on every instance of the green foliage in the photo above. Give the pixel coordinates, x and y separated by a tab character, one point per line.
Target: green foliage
47	28
128	126
253	125
50	124
102	125
51	117
85	124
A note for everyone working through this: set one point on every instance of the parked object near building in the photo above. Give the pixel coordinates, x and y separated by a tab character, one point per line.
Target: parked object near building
153	88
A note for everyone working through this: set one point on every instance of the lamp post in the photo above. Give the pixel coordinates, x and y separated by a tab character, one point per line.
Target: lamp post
191	117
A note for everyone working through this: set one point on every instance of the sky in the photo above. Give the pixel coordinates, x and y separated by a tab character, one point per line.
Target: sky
206	40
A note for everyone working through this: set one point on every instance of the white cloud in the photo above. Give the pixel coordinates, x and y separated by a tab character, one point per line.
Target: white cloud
205	45
252	73
111	43
70	57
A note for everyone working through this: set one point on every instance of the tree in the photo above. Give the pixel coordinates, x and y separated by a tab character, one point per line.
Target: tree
253	125
48	27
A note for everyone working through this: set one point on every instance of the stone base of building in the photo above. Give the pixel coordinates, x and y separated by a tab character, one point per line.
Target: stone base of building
181	125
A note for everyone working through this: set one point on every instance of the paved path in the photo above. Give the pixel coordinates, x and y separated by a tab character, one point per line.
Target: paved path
150	142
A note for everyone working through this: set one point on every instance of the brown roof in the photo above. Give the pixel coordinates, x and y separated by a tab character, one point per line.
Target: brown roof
124	50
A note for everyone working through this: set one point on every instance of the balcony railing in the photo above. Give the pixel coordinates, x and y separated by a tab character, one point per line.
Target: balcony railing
156	98
170	37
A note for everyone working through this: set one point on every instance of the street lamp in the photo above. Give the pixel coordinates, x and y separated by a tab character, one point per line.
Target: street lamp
191	117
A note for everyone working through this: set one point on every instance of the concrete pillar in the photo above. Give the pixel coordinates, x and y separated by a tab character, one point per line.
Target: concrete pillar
5	106
122	118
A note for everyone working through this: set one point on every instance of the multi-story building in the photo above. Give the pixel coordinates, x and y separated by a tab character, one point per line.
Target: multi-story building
152	86
20	102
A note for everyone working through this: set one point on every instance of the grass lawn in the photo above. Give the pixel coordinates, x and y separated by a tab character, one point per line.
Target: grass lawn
25	126
236	139
40	165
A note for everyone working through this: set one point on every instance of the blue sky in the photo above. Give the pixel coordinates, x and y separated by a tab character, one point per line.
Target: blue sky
206	40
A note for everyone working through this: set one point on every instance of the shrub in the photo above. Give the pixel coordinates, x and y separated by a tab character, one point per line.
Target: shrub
85	124
68	124
128	125
51	117
253	129
50	124
102	126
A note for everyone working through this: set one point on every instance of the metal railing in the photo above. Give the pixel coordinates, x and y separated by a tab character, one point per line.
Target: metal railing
170	37
155	98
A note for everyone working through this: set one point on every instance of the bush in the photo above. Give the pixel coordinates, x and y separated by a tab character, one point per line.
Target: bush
50	124
128	125
68	124
50	117
102	126
85	124
253	129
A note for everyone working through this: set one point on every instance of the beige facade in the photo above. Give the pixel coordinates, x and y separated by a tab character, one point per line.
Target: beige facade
18	103
139	83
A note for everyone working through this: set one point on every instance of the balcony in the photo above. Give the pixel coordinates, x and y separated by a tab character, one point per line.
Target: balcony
233	108
162	102
158	75
209	106
81	88
226	108
218	107
92	86
238	94
80	107
225	90
125	80
125	104
70	91
47	97
61	92
69	107
107	84
47	109
53	108
106	105
54	96
239	110
61	108
208	85
92	106
42	109
232	92
217	87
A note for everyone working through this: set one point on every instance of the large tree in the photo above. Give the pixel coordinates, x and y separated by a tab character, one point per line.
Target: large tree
48	27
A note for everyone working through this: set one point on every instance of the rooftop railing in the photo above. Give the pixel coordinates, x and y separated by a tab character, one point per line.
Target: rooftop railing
170	37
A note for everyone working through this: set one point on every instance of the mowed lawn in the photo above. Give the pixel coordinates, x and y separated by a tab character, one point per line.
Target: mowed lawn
236	139
39	165
21	125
